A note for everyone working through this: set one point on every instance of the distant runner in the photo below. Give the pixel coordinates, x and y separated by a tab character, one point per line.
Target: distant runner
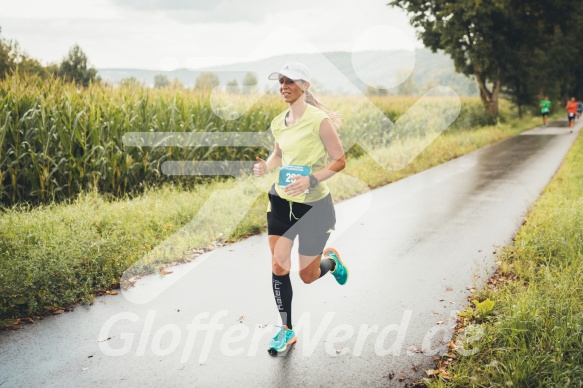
307	151
545	108
571	111
579	108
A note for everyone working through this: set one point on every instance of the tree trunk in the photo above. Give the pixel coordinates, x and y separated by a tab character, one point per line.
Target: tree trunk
494	98
489	98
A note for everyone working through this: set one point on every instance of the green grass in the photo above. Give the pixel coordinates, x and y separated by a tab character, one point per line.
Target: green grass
535	336
59	254
449	145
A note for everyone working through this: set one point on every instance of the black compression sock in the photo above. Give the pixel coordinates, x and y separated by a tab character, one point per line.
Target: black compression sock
327	265
282	290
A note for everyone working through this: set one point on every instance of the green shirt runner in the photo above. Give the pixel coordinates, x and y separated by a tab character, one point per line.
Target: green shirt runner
545	106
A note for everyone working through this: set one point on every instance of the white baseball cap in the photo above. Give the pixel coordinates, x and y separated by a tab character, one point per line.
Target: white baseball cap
292	70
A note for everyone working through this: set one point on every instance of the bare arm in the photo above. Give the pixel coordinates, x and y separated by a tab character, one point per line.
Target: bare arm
273	161
335	151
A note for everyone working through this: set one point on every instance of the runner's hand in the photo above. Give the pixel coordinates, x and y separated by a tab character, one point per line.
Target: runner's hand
260	168
298	187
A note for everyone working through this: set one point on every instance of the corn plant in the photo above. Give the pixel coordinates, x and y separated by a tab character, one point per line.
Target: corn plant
58	140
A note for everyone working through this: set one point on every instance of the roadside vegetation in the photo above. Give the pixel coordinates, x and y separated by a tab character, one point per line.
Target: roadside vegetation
60	249
531	331
59	140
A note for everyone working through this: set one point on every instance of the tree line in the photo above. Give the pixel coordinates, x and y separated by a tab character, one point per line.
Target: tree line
74	67
206	80
521	49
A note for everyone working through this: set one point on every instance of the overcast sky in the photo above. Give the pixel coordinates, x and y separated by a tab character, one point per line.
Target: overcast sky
164	35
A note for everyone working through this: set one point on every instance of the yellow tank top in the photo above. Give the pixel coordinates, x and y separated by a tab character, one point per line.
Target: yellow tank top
303	152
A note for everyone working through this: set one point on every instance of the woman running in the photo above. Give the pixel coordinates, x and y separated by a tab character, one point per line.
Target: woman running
571	108
308	152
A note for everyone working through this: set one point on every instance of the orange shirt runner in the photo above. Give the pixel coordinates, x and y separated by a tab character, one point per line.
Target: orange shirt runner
572	107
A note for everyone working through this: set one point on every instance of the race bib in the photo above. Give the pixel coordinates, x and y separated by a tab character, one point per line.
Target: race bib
289	172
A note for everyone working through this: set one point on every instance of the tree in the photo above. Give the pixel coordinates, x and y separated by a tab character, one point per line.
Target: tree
13	58
176	84
74	67
161	81
560	35
207	80
233	86
408	86
250	82
517	47
543	50
7	64
379	90
130	82
469	31
4	63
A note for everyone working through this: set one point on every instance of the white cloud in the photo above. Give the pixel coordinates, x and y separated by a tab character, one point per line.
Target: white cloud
57	9
128	33
188	11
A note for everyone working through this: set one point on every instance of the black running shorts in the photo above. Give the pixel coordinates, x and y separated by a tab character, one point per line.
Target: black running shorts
312	222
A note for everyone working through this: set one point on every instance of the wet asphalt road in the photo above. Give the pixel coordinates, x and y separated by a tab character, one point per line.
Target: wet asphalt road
413	249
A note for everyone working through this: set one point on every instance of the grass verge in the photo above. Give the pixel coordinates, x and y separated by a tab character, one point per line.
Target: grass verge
534	334
61	254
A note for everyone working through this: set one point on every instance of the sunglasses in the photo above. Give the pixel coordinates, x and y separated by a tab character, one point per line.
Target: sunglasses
286	80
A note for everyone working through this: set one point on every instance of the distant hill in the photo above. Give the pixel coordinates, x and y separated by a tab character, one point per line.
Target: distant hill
331	72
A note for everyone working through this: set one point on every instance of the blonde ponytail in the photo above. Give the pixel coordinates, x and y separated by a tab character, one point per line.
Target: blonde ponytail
333	116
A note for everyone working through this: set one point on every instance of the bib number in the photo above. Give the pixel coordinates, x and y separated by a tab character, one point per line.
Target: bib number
290	172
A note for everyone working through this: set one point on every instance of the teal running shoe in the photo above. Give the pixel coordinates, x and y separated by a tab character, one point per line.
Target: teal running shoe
340	272
282	339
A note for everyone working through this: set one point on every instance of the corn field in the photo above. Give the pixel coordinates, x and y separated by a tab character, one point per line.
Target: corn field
57	140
